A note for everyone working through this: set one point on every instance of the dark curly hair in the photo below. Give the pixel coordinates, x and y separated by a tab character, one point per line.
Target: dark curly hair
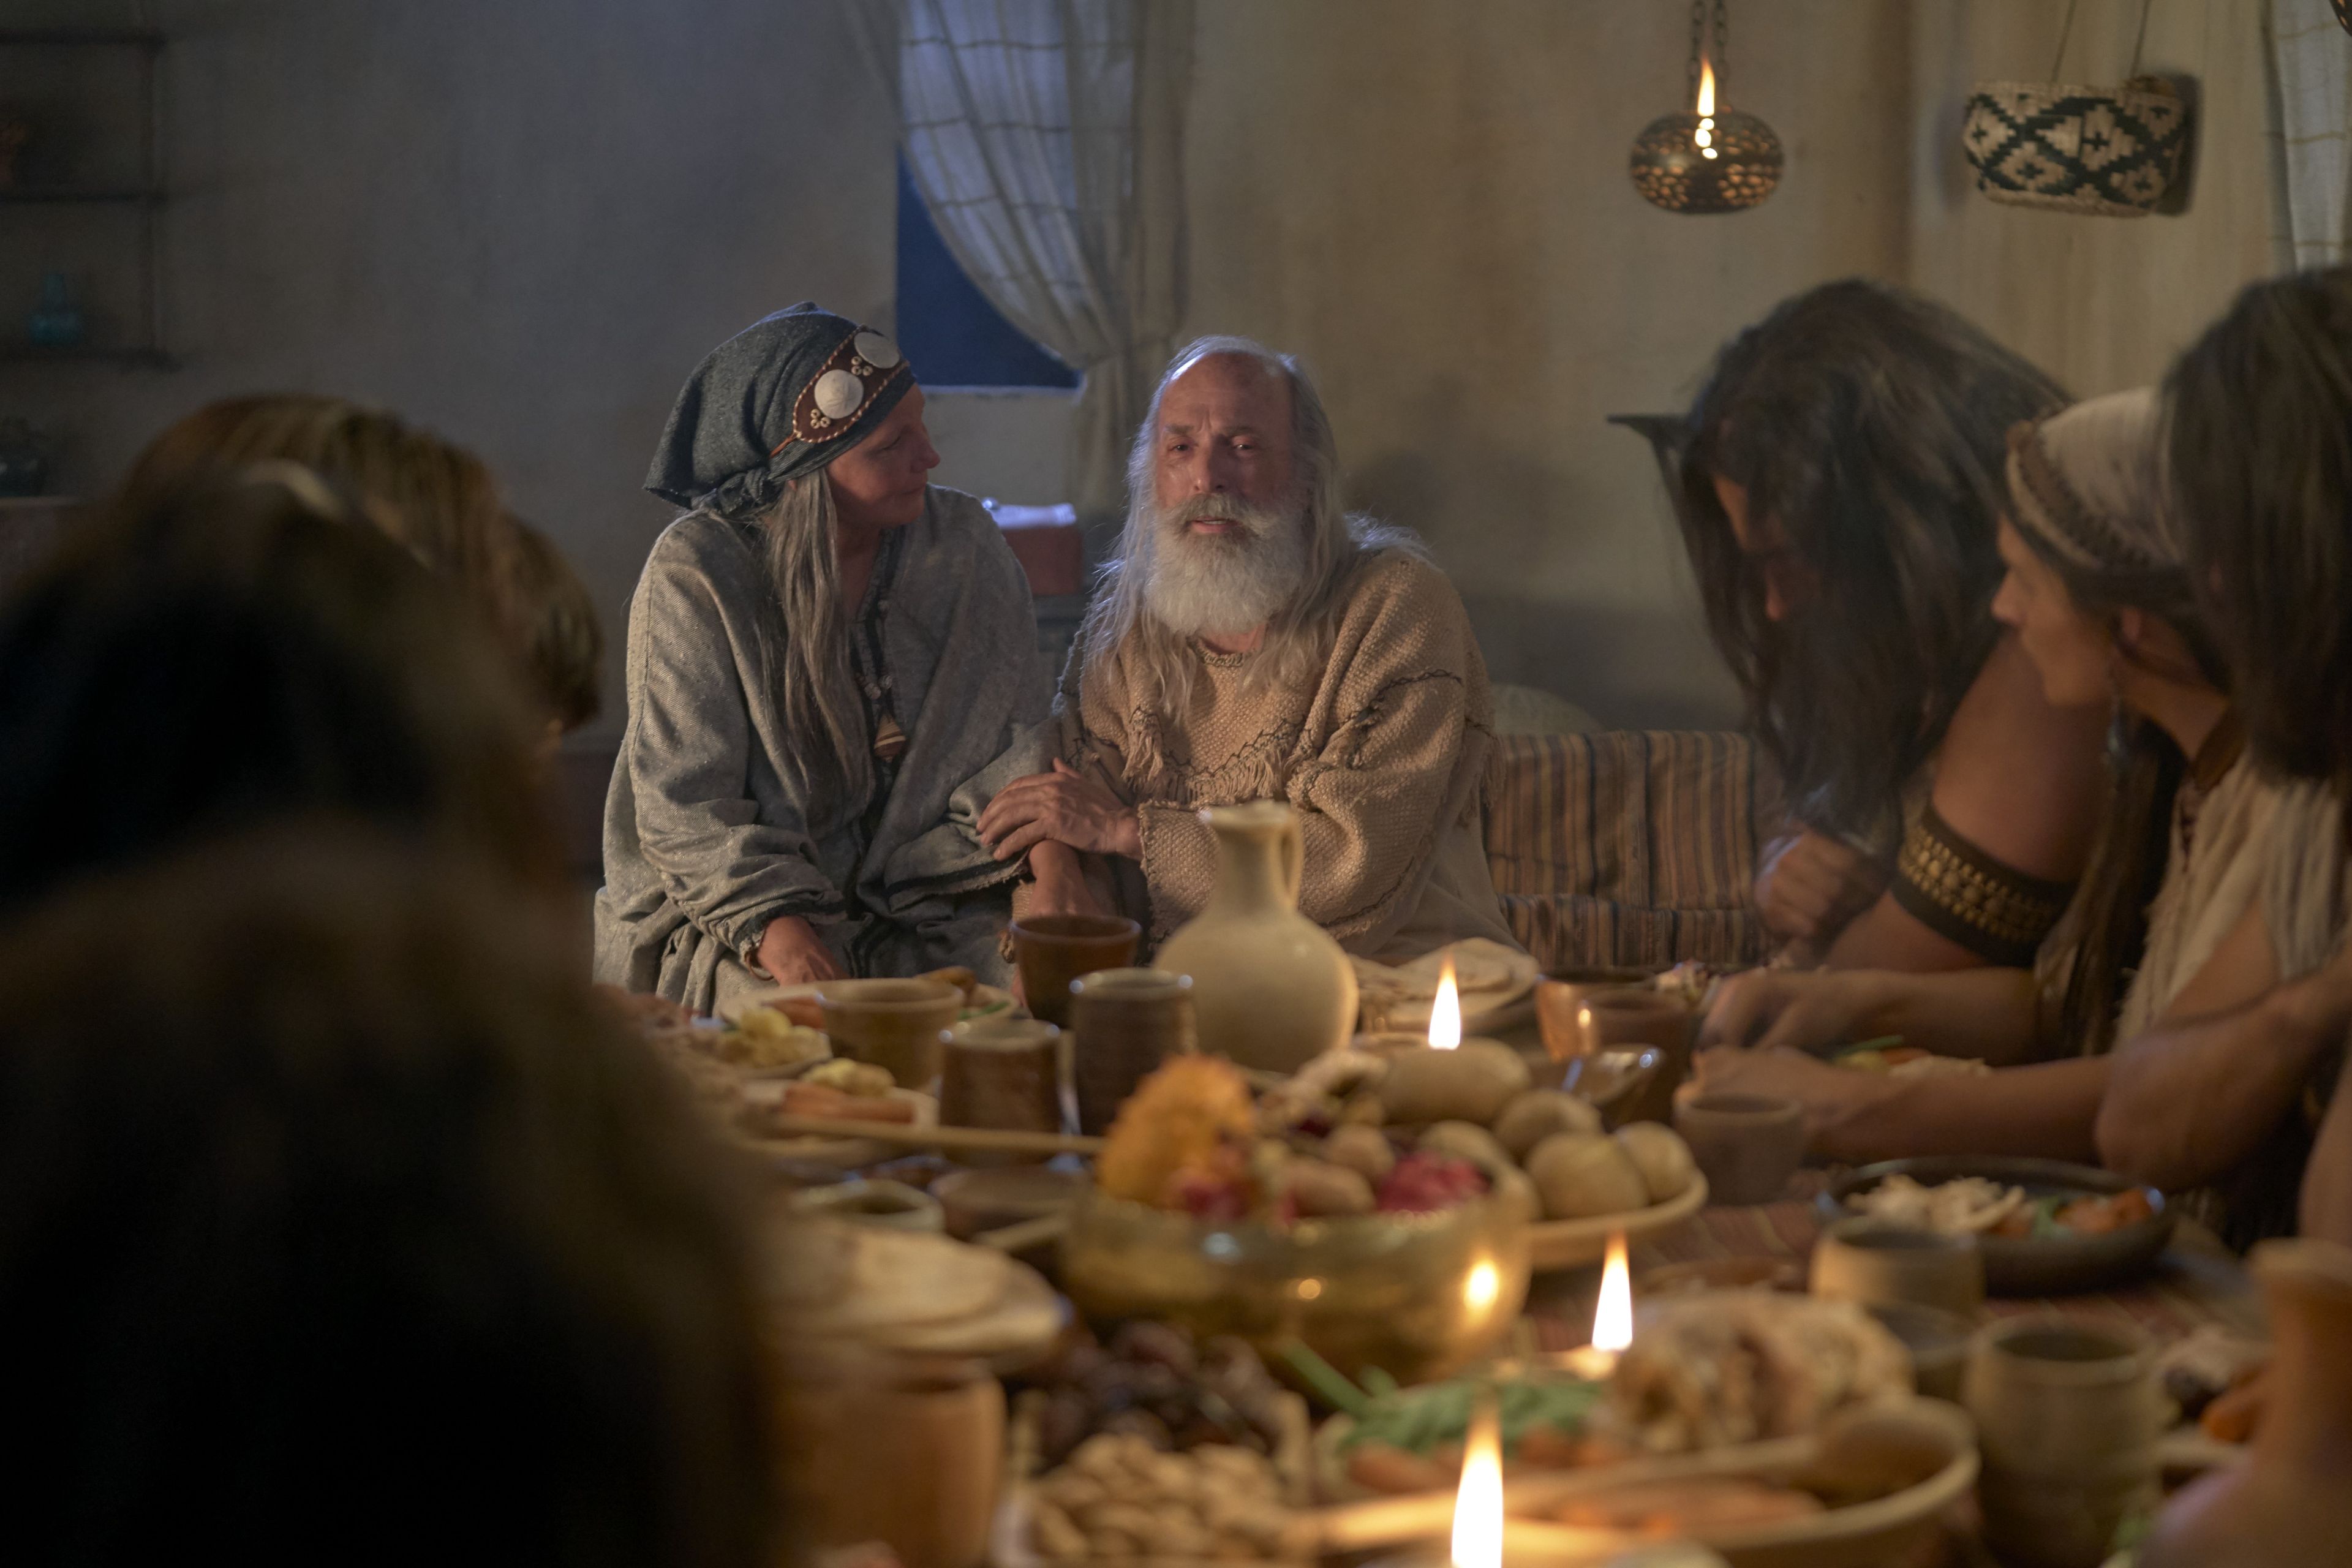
238	649
337	1220
1872	425
2260	411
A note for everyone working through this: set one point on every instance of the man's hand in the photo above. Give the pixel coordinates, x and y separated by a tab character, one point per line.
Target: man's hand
1811	886
1772	1008
1065	807
794	954
1061	883
1833	1098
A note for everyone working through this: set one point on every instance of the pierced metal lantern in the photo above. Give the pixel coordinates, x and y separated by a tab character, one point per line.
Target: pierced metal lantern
1714	160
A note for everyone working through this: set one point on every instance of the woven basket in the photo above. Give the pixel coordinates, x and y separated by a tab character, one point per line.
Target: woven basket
2109	151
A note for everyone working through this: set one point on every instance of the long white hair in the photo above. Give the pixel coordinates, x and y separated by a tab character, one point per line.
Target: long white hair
804	644
1298	637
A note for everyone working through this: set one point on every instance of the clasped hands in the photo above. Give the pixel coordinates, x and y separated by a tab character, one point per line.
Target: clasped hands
1062	807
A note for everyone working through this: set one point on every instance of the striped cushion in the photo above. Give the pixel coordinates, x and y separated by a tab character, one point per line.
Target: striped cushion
1629	846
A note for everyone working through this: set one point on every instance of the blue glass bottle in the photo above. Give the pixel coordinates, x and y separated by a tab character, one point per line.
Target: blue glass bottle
56	322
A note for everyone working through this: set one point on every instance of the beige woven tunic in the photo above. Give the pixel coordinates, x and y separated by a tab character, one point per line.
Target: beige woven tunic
1381	757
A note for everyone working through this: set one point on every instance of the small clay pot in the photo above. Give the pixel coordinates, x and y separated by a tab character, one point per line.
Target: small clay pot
1869	1261
1052	950
2067	1414
1748	1145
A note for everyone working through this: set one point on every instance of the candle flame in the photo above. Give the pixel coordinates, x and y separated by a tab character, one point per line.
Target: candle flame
1446	1012
1478	1506
1483	1284
1612	1319
1705	90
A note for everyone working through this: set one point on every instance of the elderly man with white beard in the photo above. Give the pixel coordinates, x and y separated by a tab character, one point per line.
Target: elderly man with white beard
1255	641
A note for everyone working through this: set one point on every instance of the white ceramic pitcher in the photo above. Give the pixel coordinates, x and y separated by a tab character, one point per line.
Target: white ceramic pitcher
1270	987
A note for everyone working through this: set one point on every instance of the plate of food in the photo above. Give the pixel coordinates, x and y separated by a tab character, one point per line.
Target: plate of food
799	1003
2046	1227
1364	1112
1163	1470
1774	1429
840	1090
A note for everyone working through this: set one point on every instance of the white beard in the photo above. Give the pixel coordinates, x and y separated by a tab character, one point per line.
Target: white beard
1224	585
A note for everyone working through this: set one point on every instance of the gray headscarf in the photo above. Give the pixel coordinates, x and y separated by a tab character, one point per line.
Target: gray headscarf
783	397
2087	483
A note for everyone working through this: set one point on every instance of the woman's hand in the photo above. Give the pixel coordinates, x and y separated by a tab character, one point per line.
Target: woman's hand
1813	885
1064	807
1796	1009
1833	1098
794	954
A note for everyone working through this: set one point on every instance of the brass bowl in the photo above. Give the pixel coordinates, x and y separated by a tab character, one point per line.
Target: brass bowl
1419	1295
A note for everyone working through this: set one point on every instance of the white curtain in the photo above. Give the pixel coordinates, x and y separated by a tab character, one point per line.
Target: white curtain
2311	81
1045	138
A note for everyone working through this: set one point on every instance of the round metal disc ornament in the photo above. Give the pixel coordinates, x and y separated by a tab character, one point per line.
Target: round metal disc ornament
1714	160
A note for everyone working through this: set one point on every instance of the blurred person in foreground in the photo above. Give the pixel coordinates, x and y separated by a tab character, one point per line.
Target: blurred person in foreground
1254	640
436	498
564	640
2260	415
240	649
1841	484
827	654
342	1224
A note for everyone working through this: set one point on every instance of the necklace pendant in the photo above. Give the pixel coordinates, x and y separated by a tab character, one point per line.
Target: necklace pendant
889	739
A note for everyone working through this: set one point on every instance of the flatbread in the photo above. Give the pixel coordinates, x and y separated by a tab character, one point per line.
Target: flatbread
898	1279
1025	1317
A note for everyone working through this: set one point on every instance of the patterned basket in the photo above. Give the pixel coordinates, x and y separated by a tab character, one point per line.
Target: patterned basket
2111	151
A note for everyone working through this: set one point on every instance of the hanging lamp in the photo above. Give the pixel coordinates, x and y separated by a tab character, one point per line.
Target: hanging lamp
1712	161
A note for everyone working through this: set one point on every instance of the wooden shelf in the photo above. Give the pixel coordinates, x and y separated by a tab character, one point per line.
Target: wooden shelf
130	359
80	37
132	196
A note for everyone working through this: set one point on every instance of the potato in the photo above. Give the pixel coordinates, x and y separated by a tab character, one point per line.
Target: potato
1514	1187
1321	1188
1471	1084
1659	1152
1363	1150
1579	1175
1536	1115
1466	1141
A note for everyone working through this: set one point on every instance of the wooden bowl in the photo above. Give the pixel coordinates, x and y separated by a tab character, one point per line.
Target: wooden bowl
1935	1439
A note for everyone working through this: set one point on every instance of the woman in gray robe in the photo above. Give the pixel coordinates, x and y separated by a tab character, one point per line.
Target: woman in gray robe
827	654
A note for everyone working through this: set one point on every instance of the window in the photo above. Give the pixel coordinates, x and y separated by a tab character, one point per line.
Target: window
951	334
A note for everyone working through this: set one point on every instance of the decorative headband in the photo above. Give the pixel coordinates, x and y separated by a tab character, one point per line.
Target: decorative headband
2047	505
864	364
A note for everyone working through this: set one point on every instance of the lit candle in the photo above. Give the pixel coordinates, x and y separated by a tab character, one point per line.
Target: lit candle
1613	1316
1479	1505
1704	137
1446	1012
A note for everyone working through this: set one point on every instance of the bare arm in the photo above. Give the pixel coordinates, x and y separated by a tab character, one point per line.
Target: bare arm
1988	1014
2045	1110
2192	1097
2327	1179
2019	779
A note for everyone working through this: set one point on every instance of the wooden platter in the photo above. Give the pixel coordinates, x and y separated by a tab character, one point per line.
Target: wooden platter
1569	1243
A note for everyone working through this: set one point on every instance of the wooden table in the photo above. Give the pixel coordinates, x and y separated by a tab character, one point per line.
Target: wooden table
2197	1281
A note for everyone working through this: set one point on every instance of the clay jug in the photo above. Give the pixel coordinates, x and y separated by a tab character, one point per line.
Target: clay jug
2287	1506
1270	987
